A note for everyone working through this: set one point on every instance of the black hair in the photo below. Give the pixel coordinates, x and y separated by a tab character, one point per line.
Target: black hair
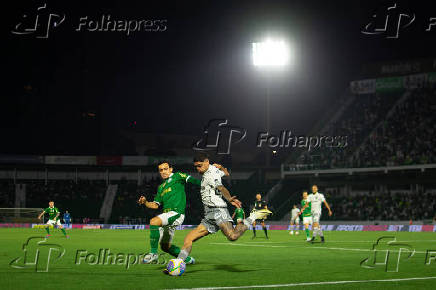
164	161
201	156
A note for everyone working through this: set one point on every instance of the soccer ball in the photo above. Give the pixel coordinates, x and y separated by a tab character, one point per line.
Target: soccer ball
297	233
176	267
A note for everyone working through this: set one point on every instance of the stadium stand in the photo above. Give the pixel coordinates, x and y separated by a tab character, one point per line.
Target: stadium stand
395	128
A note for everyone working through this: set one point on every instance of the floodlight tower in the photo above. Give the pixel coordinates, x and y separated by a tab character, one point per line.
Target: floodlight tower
269	55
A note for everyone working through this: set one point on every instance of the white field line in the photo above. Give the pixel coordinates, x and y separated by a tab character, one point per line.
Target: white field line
344	242
308	247
310	284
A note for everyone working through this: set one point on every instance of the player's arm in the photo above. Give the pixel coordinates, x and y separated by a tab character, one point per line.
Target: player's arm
149	204
57	214
328	207
193	180
41	214
226	194
222	168
303	208
233	216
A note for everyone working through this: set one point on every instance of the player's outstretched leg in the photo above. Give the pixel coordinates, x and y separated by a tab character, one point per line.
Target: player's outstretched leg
174	251
231	233
191	237
251	220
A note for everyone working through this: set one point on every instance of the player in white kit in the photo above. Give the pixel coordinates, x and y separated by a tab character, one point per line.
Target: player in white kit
316	200
216	214
295	220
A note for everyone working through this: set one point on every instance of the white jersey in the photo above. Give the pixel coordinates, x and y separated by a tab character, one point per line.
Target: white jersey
210	195
295	212
316	199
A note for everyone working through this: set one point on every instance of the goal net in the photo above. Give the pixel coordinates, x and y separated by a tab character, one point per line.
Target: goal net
20	215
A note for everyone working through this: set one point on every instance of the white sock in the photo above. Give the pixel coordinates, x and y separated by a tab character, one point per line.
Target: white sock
315	231
183	255
321	234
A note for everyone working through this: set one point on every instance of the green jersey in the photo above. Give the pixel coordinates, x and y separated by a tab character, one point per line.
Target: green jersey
171	193
52	212
239	213
308	210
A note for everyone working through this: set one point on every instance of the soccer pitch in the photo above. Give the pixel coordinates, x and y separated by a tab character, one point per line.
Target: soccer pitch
281	262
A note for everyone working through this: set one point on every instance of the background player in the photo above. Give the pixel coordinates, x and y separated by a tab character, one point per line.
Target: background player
67	218
295	219
307	215
260	204
316	199
53	218
239	214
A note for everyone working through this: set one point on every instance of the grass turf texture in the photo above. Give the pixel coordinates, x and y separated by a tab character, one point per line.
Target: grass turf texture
283	259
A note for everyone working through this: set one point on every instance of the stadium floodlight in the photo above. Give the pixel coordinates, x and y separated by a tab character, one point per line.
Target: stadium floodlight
270	53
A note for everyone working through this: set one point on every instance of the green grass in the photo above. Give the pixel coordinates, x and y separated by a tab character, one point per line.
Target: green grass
283	259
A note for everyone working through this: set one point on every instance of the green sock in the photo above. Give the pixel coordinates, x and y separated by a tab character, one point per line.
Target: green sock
48	231
63	230
307	233
174	251
154	238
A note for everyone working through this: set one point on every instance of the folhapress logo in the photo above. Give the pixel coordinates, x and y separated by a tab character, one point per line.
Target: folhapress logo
388	253
390	20
218	135
38	254
40	23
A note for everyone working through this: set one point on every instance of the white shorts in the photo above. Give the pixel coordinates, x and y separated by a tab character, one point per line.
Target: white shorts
316	217
213	217
295	220
54	222
170	221
307	220
239	220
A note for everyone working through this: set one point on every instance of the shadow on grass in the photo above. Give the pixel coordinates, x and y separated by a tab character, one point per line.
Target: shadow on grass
226	268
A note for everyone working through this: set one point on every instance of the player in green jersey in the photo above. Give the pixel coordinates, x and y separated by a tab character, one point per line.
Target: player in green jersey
307	215
171	195
53	218
239	214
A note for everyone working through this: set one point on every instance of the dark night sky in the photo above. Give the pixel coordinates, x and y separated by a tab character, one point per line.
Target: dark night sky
199	68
